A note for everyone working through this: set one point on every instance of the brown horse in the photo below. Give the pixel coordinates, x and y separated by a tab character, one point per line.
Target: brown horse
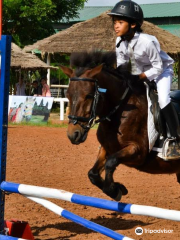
119	100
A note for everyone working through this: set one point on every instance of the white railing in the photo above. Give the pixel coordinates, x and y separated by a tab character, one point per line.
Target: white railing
60	99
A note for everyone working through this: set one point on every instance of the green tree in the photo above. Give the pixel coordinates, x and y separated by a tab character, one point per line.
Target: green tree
31	20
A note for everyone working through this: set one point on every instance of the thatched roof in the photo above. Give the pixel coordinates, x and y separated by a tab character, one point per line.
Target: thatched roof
23	60
98	33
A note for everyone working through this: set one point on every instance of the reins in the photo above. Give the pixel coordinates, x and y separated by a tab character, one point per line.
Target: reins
108	117
91	120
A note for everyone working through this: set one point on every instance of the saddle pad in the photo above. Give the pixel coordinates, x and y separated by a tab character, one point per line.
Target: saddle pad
152	132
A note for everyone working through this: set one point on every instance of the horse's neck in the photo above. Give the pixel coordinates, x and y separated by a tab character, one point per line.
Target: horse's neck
115	87
110	100
118	96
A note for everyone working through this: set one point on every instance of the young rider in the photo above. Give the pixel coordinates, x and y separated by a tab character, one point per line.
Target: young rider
148	61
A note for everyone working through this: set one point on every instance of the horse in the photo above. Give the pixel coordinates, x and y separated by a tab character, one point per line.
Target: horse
118	99
25	109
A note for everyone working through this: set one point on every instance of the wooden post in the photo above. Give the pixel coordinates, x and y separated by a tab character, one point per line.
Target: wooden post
48	71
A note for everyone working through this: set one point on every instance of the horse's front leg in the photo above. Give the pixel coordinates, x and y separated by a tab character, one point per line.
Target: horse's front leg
126	155
94	173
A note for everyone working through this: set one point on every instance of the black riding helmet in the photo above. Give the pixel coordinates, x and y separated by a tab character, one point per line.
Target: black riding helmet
129	9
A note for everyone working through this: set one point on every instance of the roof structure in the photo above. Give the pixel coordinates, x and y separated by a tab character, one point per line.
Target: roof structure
156	10
159	10
90	12
23	60
172	28
98	33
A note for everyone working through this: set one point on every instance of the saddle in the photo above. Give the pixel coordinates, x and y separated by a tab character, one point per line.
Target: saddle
159	121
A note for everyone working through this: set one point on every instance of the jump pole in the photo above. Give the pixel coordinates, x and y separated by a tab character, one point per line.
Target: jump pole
1	18
10	238
5	56
71	216
42	192
77	219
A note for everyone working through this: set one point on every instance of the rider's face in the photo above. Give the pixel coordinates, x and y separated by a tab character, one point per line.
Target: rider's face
121	26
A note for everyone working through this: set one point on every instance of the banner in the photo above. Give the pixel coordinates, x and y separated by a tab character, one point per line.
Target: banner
29	109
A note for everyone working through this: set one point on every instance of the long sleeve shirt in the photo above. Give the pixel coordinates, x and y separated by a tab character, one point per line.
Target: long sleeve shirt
148	56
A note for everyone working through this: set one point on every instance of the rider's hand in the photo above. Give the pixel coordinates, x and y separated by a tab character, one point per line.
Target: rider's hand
142	76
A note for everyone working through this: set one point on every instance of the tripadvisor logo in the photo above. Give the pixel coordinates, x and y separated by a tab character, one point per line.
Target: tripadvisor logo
139	231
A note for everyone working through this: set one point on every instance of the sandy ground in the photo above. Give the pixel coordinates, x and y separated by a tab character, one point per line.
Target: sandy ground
44	157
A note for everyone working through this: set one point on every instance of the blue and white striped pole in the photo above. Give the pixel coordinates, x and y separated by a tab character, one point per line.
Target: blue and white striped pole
2	237
91	201
5	57
77	219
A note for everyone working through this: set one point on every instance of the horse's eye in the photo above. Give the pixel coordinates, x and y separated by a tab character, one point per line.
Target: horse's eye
89	96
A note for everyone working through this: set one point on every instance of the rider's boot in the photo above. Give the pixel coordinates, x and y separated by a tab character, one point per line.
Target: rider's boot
171	148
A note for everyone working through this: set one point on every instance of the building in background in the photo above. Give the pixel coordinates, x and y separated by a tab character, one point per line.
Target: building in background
165	15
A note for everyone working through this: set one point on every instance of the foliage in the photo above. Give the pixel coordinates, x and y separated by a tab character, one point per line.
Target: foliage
29	21
41	109
176	69
58	77
13	77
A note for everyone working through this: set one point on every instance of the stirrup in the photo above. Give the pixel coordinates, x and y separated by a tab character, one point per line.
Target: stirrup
171	149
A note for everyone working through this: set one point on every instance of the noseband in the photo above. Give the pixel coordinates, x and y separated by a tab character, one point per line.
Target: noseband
90	121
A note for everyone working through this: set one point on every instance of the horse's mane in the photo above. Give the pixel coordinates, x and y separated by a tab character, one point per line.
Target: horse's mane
92	59
82	61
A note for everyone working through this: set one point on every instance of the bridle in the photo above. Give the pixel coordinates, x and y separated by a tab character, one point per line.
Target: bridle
91	120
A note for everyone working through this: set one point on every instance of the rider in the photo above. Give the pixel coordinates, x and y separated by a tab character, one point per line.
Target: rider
148	61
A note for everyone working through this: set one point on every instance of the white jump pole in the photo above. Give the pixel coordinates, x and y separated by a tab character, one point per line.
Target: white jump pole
77	219
40	192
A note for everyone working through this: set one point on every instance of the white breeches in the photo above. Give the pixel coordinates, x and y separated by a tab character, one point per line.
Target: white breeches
163	83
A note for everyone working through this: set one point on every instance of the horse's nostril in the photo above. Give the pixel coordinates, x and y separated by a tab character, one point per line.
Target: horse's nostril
76	135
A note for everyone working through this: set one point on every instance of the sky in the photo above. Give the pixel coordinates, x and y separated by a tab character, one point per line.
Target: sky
113	2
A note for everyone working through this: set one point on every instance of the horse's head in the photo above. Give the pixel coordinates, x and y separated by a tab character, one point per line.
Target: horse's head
27	108
89	80
82	95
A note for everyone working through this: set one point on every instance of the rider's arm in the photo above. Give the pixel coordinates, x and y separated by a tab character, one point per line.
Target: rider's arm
155	60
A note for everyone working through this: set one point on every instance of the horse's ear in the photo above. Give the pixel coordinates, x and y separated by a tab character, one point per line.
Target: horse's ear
93	72
66	70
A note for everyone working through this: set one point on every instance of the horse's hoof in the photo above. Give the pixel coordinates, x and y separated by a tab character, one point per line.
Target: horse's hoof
116	191
122	188
116	194
119	196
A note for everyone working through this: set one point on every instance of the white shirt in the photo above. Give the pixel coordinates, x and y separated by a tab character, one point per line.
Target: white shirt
148	56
